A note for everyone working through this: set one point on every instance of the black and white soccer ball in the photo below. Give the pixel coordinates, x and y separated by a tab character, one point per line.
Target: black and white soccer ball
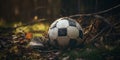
65	32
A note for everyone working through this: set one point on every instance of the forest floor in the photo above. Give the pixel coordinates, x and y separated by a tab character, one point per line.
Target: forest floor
100	43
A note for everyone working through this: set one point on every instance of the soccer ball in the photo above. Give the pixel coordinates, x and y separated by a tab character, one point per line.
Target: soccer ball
65	32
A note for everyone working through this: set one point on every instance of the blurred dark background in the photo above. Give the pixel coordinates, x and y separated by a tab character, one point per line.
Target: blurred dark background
23	17
27	10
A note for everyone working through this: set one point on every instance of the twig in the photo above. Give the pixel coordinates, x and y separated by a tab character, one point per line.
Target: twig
93	39
116	23
100	12
104	19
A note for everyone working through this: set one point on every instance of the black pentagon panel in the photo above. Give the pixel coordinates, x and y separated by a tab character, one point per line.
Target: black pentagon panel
72	42
72	23
54	25
62	32
80	34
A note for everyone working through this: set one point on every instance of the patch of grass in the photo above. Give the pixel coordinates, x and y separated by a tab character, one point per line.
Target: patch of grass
87	54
